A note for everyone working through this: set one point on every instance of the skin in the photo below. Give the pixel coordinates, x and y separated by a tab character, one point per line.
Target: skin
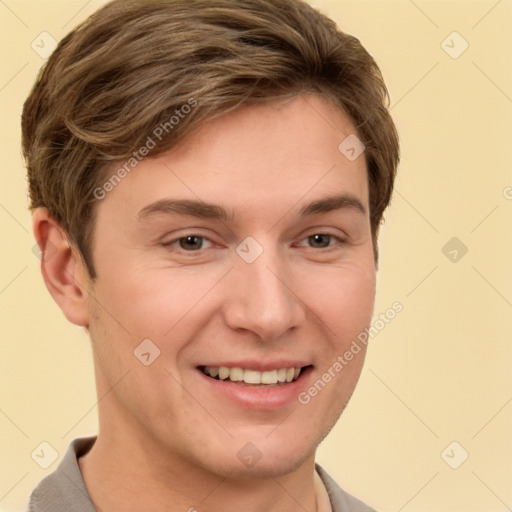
165	437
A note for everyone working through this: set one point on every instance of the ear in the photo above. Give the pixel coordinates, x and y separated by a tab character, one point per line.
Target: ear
63	271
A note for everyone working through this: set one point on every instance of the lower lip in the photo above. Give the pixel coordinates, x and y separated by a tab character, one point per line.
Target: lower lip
263	398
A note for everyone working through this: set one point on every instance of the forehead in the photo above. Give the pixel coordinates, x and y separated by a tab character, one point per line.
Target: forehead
260	157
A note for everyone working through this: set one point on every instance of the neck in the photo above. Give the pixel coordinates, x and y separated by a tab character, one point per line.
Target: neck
123	473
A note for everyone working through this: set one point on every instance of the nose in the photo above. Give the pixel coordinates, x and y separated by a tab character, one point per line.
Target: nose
260	298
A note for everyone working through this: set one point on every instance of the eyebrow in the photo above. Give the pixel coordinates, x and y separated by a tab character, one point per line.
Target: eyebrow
186	207
329	204
212	211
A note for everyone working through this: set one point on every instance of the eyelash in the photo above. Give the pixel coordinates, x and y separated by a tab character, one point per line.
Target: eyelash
330	235
177	240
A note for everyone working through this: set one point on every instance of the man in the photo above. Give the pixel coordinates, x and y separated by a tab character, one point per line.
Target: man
207	181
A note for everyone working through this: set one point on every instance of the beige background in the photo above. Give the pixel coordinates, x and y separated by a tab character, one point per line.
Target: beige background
439	372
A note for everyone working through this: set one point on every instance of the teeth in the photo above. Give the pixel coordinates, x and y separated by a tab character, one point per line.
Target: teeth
253	376
269	377
212	371
223	373
236	374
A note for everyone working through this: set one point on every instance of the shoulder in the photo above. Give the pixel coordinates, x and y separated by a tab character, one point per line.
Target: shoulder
64	489
341	501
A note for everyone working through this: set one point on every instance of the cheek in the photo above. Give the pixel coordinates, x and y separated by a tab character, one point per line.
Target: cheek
343	297
156	302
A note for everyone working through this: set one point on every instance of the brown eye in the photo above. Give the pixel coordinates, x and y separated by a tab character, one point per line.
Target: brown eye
191	243
320	240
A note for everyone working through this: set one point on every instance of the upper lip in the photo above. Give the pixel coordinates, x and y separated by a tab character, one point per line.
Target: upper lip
261	366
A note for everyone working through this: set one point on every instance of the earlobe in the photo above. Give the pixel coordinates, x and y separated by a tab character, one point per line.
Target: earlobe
62	268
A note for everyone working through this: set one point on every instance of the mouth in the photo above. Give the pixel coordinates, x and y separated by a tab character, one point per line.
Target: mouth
265	387
254	378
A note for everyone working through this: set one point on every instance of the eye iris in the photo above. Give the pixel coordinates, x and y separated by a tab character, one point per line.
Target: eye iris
319	240
191	242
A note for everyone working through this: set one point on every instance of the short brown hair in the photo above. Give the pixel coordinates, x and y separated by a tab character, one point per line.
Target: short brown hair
131	65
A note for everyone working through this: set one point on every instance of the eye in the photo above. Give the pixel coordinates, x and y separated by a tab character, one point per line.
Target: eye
320	240
189	243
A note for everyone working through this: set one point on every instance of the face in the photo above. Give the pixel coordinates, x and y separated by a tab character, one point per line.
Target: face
247	251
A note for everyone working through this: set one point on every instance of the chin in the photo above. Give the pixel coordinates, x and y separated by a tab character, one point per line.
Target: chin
262	458
269	466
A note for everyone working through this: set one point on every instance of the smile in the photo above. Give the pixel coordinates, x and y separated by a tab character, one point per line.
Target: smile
252	377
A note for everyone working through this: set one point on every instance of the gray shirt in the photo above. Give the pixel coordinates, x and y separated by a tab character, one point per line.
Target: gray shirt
64	489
